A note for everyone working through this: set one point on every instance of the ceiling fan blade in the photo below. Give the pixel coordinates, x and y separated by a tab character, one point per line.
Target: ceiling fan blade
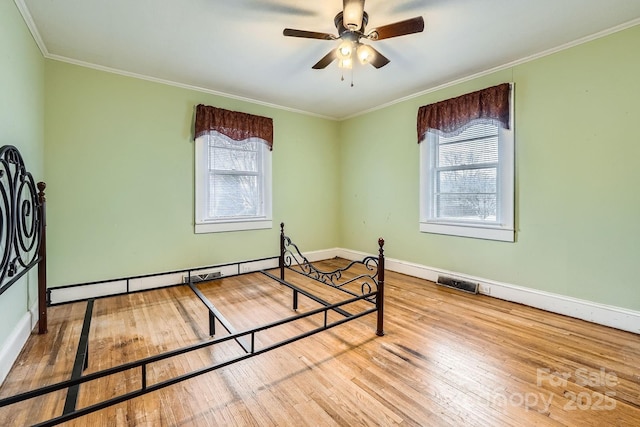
378	60
326	60
402	28
308	34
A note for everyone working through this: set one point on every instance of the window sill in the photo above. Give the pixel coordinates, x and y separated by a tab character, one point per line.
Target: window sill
224	226
476	232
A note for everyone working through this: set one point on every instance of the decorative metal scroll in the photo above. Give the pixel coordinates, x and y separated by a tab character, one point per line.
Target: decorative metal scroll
367	282
21	219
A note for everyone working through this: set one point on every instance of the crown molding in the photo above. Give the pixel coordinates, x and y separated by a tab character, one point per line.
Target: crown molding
31	25
181	85
28	19
506	66
26	15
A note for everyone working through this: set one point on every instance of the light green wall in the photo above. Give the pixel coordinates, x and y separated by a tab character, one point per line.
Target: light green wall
577	175
119	162
21	125
119	159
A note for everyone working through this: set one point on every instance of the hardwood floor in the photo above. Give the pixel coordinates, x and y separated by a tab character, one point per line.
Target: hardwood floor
448	358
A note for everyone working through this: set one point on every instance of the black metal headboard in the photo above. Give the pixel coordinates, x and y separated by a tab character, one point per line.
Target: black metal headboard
22	225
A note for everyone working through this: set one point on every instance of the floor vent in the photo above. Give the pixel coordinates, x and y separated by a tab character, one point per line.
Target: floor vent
202	277
462	285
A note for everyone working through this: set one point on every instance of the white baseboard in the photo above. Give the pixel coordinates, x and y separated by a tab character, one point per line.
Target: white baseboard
607	315
615	317
16	340
323	254
154	281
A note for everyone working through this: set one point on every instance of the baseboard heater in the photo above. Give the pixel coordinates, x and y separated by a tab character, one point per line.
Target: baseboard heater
202	277
461	285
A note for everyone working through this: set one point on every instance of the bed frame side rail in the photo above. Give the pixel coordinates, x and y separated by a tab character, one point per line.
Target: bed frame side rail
143	363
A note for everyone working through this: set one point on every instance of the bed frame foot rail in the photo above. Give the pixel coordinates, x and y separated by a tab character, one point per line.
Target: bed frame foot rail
379	281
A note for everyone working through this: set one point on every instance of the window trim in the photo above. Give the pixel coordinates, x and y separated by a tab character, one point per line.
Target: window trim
204	224
505	230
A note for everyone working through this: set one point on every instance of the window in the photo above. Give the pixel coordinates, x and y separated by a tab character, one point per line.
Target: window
233	170
233	184
467	181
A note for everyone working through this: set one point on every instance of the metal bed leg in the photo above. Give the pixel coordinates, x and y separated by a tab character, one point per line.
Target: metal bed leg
380	296
295	300
42	265
281	257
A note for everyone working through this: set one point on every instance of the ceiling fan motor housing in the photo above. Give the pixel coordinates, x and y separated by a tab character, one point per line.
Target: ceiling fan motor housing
346	33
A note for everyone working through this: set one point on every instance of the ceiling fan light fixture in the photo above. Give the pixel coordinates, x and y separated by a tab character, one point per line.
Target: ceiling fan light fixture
345	50
365	53
352	14
346	63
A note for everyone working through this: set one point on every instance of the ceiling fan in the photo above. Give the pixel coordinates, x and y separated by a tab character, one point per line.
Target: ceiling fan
351	23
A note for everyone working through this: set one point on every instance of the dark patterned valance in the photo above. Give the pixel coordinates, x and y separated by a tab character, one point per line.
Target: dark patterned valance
237	126
452	116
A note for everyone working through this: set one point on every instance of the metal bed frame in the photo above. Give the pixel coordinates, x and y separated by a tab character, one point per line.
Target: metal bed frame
22	227
369	285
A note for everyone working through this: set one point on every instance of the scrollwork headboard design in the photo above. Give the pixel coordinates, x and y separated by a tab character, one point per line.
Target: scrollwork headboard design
22	222
370	281
367	282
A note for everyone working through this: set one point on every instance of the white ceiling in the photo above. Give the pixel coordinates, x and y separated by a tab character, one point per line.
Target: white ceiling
236	47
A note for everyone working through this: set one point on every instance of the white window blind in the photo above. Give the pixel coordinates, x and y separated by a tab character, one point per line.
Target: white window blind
465	175
236	184
233	184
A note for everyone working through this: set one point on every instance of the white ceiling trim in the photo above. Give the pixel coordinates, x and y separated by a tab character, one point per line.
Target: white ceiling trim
31	25
24	11
181	85
508	65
